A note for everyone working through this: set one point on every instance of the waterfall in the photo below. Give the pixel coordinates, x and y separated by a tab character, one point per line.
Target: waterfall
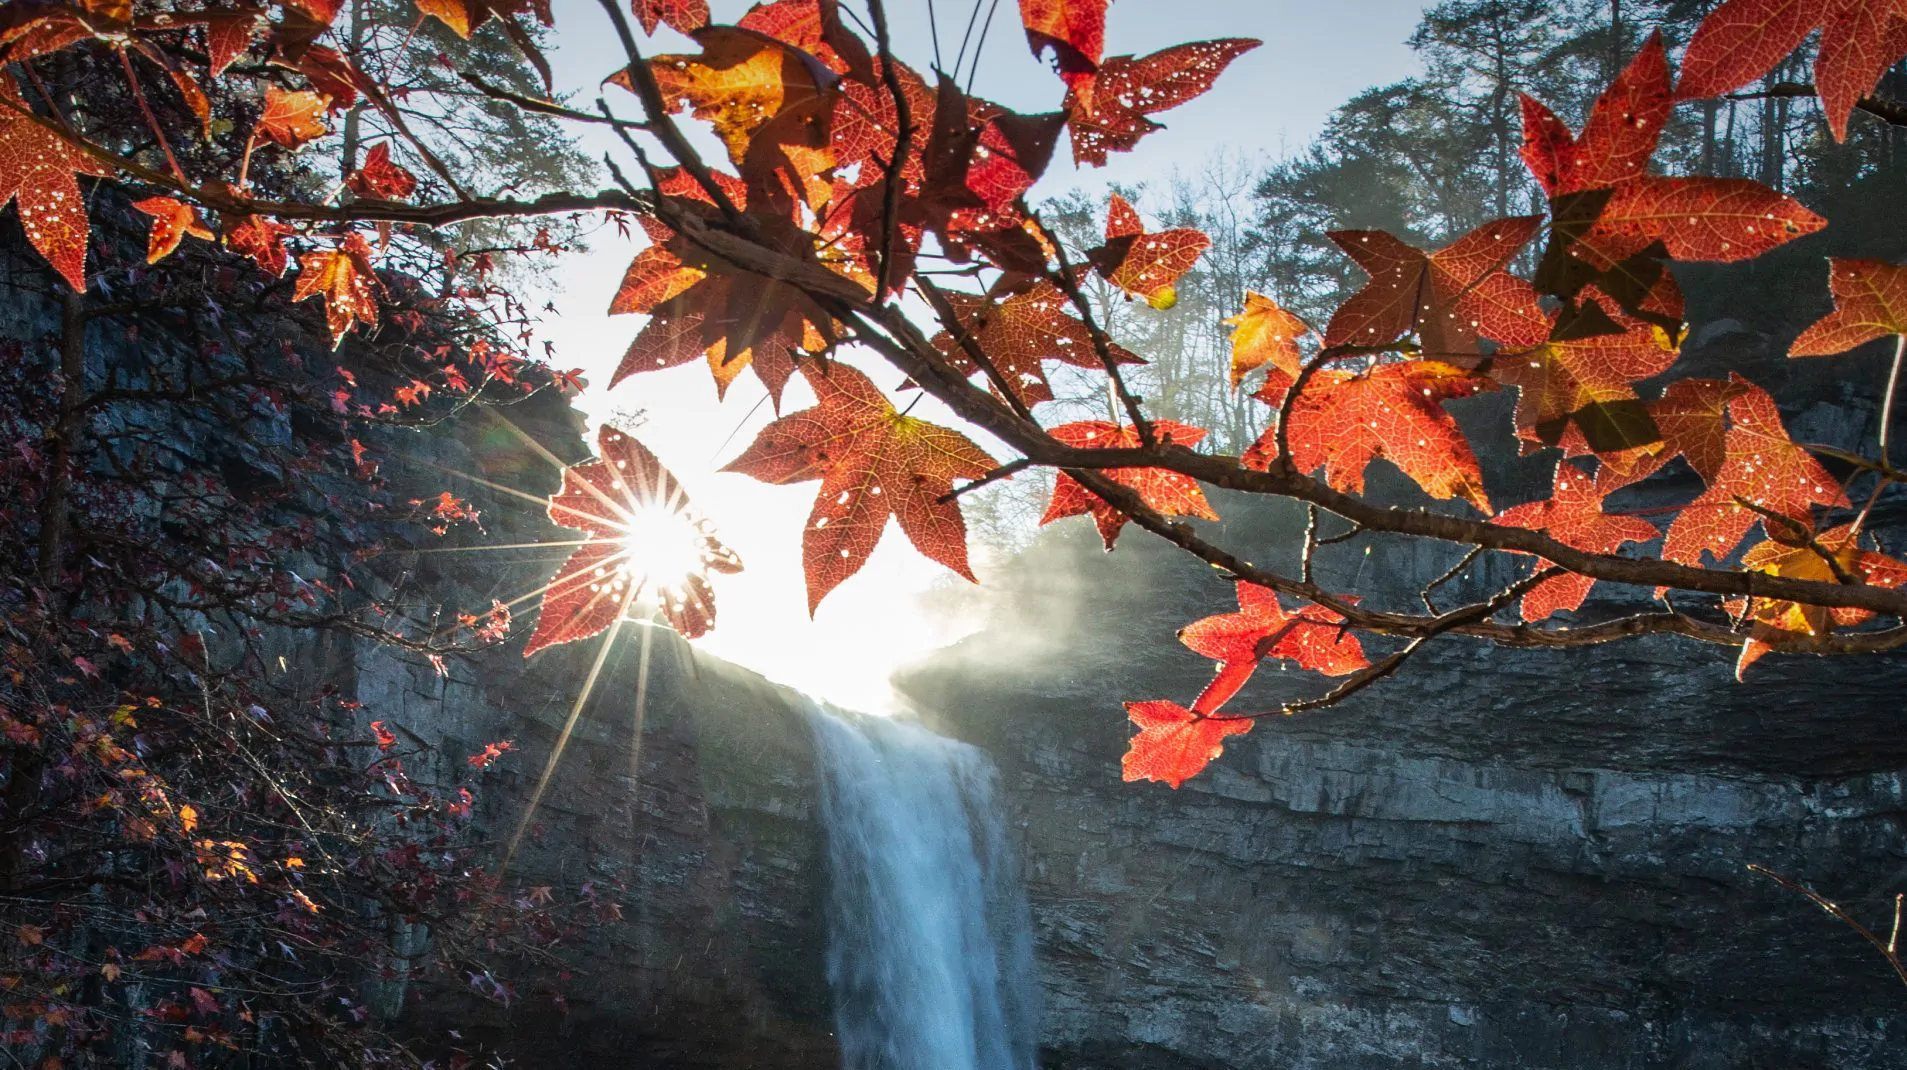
930	951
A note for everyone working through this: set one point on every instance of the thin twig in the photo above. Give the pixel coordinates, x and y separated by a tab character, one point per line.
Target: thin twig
1885	947
1450	574
1005	471
643	81
139	95
546	107
1798	533
903	144
1892	112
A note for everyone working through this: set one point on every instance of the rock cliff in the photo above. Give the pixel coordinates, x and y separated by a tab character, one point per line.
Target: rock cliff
1493	860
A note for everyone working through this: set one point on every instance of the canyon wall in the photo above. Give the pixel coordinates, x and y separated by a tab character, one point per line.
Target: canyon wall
1494	859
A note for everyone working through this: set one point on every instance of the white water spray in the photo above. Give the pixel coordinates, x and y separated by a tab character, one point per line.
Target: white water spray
930	950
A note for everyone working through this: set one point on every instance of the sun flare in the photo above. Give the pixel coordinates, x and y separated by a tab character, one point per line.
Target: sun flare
661	549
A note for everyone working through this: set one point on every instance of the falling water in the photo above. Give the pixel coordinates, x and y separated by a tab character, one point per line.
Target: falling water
930	953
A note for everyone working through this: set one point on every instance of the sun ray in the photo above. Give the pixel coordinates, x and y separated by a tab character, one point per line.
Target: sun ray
642	705
562	739
555	581
500	546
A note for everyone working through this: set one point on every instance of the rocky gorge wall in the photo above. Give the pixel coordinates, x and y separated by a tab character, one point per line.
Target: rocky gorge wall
1492	860
1495	859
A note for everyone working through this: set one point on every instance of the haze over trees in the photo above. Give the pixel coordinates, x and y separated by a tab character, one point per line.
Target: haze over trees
270	240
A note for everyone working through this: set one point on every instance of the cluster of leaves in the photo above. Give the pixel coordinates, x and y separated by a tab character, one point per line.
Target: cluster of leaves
209	857
853	173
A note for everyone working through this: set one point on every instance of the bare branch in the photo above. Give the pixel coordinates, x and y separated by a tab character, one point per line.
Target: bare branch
1892	112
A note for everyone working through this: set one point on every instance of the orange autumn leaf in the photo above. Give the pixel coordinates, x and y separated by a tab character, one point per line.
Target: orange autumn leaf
1170	493
1174	744
1573	516
1741	40
643	535
292	116
1113	116
1345	420
1265	334
1314	638
1021	332
1870	301
1761	465
171	222
1579	392
873	462
344	278
39	172
1802	562
465	16
748	85
1145	264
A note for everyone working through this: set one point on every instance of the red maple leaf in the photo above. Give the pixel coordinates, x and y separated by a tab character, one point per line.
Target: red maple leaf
1870	301
1262	334
386	739
1573	516
686	16
1742	39
172	220
643	536
1113	116
701	308
1578	392
1760	465
1694	218
1691	417
1314	637
873	462
1175	744
39	170
1345	420
490	753
1450	297
379	178
1145	265
228	35
1020	332
262	239
1169	492
1075	30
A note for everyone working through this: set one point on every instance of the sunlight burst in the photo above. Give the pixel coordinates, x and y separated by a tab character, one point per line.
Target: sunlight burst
661	549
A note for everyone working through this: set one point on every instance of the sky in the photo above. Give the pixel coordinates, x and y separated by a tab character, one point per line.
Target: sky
1270	103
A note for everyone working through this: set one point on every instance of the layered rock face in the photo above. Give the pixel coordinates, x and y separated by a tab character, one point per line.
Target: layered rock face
1495	859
